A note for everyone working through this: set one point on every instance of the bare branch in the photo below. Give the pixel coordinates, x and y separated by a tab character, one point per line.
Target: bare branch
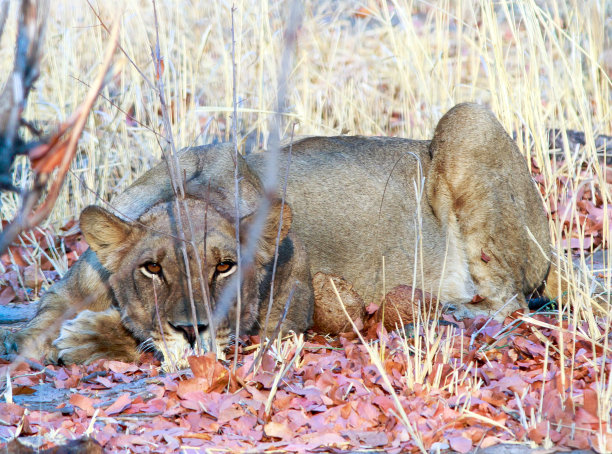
30	34
236	198
270	178
54	153
142	74
278	234
277	329
4	8
176	178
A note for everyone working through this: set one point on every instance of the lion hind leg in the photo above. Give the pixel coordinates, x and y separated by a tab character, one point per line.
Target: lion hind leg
95	335
479	180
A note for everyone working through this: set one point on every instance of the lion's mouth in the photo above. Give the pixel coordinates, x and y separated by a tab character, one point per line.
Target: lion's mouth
189	332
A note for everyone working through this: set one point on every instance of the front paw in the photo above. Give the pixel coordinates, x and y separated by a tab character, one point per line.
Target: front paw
27	343
8	344
95	335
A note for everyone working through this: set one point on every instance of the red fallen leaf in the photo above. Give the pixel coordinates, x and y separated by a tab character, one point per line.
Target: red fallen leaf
125	441
192	385
460	444
590	401
105	382
83	402
209	374
490	441
197	436
319	439
371	308
121	367
575	243
215	375
385	403
154	405
11	413
477	299
26	429
7	295
368	438
228	413
577	440
20	389
529	347
513	382
539	432
584	418
122	402
495	398
203	366
484	257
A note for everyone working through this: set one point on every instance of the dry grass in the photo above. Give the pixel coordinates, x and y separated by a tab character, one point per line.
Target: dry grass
372	68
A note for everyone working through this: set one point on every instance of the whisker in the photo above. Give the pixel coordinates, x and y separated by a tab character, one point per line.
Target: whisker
146	346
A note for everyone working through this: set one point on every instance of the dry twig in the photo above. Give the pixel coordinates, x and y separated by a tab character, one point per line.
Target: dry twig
48	155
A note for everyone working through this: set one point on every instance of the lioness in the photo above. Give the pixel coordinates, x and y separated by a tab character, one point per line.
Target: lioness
457	216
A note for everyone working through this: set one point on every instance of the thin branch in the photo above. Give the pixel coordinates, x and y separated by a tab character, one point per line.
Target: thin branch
121	110
81	115
277	329
56	153
249	249
30	34
142	74
278	233
4	8
236	199
177	181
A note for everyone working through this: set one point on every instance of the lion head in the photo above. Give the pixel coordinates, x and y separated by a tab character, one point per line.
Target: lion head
162	302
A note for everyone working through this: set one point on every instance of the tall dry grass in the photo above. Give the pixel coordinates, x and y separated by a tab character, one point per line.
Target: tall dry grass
373	67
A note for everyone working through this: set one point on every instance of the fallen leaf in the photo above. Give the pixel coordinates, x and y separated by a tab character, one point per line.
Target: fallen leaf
7	295
122	402
83	402
460	444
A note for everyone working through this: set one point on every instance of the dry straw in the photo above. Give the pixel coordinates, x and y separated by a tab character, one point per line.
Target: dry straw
374	68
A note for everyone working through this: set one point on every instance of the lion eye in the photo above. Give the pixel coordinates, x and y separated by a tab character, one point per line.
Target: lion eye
153	267
224	267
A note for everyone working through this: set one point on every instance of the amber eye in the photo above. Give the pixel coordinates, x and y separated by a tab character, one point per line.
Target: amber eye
224	267
153	267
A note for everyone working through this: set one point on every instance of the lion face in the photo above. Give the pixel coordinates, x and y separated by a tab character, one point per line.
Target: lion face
151	284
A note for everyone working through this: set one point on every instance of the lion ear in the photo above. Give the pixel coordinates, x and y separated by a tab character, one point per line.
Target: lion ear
105	233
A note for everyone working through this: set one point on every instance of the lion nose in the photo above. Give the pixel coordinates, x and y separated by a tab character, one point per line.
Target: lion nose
189	331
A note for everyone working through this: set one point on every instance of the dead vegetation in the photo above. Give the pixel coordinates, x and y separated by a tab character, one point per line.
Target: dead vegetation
376	68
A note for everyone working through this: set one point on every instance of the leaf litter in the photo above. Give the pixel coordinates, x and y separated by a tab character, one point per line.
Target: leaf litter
331	397
539	383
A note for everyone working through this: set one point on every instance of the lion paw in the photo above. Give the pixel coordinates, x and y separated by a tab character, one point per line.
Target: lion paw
7	342
489	309
95	335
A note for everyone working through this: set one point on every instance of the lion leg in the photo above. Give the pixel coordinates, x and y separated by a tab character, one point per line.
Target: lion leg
35	339
292	279
84	287
480	188
95	335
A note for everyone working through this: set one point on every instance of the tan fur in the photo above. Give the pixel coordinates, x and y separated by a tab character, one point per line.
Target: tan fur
456	216
95	335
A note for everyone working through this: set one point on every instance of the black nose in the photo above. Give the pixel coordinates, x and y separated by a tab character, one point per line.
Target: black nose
189	331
